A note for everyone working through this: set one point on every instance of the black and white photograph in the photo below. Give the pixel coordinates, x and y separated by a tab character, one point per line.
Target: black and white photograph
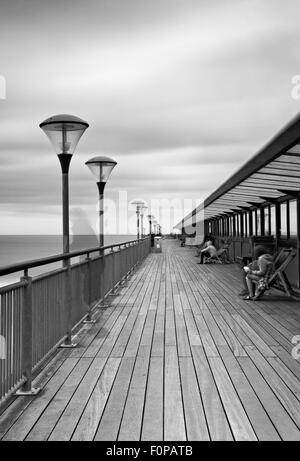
149	223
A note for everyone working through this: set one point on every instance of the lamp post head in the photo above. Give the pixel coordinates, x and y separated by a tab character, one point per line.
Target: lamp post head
139	205
101	167
143	208
64	132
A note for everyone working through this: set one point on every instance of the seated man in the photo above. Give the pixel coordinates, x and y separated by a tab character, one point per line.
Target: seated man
257	270
203	244
208	251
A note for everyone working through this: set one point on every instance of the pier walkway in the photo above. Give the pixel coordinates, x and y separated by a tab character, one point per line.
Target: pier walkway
177	355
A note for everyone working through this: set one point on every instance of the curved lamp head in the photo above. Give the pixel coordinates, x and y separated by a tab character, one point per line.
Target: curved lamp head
139	205
101	167
64	132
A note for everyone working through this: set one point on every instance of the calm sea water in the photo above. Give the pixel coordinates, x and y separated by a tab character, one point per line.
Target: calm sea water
18	248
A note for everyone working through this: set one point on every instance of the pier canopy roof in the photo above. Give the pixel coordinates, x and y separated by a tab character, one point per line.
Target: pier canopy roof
272	173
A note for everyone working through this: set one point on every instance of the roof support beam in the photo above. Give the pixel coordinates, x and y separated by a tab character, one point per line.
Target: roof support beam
269	199
293	193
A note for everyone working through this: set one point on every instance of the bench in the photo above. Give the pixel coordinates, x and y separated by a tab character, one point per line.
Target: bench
278	278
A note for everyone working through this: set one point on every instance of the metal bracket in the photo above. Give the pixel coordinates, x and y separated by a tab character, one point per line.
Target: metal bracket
68	346
33	391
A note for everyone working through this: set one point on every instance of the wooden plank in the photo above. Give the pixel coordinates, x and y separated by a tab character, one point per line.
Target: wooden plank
261	423
182	336
67	423
286	375
217	422
234	344
110	339
124	336
206	338
287	399
174	426
90	418
238	419
153	411
213	328
20	404
147	334
255	338
111	419
132	418
192	331
159	335
284	425
288	360
25	422
133	343
93	348
196	426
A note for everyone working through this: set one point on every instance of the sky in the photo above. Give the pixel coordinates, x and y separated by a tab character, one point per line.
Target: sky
180	93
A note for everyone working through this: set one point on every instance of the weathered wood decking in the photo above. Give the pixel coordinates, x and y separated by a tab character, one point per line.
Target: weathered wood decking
177	356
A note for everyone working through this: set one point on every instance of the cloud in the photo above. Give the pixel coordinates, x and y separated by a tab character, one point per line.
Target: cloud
180	93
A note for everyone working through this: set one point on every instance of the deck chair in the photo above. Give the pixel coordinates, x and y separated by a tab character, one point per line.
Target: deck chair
277	278
213	259
222	256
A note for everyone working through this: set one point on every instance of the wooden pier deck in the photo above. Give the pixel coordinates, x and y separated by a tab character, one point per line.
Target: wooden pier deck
176	356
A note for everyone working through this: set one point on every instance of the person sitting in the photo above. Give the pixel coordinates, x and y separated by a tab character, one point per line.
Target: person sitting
209	251
256	271
203	244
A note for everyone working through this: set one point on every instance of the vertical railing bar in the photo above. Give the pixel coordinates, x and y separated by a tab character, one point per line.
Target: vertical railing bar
27	388
89	318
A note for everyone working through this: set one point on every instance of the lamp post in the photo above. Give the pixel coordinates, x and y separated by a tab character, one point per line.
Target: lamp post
64	132
101	167
150	218
139	204
143	208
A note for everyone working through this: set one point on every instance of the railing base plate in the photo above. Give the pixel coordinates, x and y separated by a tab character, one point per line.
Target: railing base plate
33	391
68	346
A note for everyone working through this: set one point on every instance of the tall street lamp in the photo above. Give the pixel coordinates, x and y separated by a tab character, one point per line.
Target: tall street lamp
101	167
64	132
139	204
143	208
150	219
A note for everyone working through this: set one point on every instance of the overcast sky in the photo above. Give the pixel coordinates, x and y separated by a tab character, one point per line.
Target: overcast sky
179	92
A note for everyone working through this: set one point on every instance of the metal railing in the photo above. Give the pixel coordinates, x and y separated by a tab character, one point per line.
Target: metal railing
37	314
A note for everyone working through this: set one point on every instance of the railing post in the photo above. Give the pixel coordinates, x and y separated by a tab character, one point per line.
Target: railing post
113	271
89	318
127	260
68	307
102	288
27	340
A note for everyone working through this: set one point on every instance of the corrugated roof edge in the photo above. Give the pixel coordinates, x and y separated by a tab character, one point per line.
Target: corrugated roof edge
282	141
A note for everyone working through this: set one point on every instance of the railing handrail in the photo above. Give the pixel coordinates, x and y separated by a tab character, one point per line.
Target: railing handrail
10	269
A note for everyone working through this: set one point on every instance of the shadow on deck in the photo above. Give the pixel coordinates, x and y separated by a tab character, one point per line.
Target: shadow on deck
176	356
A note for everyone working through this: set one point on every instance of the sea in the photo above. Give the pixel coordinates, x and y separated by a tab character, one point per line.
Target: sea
19	248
